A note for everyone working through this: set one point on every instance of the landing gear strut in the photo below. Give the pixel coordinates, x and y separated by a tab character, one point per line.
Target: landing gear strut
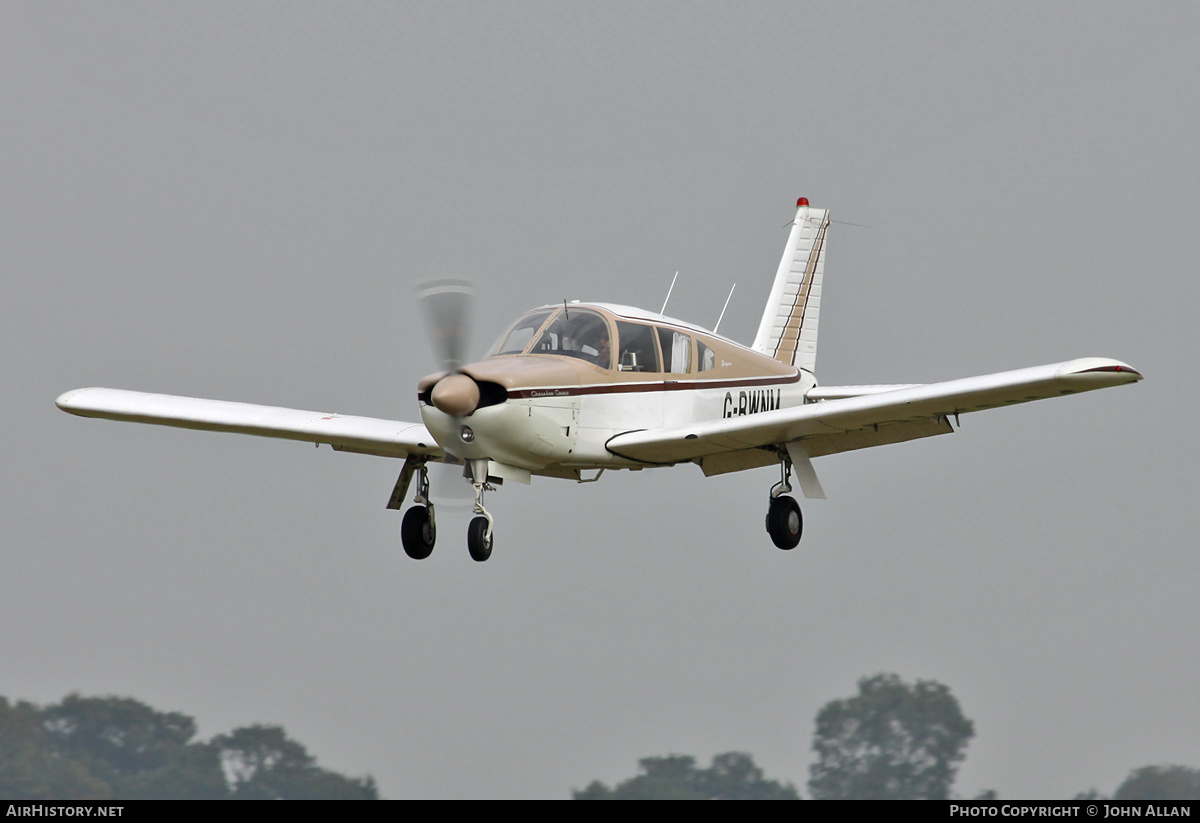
479	533
784	521
418	530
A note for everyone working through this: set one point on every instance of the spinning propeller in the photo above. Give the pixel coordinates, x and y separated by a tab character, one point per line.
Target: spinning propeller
447	309
446	305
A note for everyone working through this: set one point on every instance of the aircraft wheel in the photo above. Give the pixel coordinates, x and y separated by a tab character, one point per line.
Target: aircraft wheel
784	522
478	541
417	533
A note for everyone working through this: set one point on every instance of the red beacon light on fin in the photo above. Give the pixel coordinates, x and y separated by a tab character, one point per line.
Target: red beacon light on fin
803	201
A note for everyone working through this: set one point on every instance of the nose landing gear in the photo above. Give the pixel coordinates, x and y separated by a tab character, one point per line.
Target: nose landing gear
785	524
479	539
479	533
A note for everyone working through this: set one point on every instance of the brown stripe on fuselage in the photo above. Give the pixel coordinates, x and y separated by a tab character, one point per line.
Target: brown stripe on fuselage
648	386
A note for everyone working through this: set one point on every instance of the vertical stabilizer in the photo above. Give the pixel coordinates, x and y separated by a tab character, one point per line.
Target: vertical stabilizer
788	330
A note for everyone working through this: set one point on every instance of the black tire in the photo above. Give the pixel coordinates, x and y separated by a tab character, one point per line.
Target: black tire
785	524
479	544
417	533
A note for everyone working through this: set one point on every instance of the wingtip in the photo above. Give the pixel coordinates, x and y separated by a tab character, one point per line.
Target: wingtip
1115	371
64	400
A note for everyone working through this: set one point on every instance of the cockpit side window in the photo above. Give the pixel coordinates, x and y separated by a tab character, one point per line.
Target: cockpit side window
518	337
579	333
637	350
676	351
707	357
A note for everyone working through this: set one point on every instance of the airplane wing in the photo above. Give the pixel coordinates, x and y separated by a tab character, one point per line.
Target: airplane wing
366	435
819	393
858	417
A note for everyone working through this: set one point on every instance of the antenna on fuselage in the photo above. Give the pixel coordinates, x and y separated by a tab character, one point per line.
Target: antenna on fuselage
727	299
663	311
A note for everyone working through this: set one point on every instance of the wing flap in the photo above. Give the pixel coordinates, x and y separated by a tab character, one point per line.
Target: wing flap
922	408
367	435
881	435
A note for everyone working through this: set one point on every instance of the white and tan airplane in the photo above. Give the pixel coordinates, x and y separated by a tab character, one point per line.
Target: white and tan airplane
574	389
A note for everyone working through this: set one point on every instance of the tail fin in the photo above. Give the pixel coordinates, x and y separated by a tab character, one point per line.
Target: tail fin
788	330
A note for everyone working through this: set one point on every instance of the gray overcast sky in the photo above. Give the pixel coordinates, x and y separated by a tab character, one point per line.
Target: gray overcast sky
234	200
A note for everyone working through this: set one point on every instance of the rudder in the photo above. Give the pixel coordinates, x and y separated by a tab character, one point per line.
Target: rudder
788	330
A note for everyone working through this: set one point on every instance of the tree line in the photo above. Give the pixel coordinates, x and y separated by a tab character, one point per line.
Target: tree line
891	741
101	748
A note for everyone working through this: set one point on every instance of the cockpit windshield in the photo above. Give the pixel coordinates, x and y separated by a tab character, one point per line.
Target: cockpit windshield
518	337
572	332
577	333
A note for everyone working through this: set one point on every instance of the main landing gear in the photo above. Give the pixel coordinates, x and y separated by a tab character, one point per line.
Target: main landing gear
418	530
785	524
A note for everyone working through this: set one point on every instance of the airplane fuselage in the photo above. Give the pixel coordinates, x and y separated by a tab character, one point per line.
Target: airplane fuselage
553	413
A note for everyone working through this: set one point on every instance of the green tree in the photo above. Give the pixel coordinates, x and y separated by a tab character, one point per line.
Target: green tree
112	747
264	764
139	752
1160	783
30	769
891	741
732	776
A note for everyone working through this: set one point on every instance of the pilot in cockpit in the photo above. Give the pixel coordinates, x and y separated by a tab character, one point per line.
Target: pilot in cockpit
587	334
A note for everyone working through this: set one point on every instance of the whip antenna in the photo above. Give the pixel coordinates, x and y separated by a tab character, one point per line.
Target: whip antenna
663	311
722	317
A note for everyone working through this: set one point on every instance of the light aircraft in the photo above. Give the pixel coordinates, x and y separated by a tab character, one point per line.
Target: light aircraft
574	389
